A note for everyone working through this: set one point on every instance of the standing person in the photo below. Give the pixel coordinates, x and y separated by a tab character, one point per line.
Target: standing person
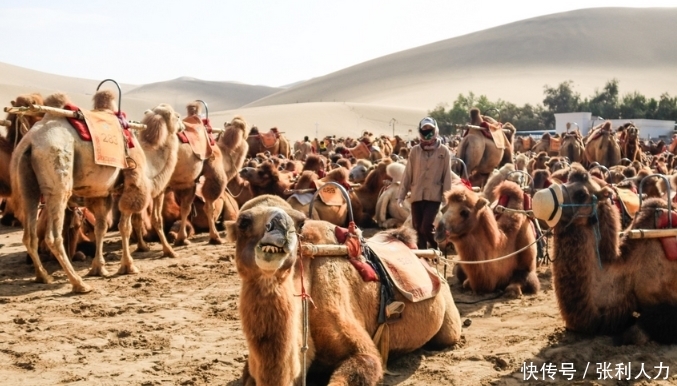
427	175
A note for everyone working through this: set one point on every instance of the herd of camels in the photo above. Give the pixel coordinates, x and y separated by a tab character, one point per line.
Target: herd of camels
278	202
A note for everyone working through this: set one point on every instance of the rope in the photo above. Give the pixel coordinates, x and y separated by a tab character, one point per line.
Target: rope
305	297
447	261
231	193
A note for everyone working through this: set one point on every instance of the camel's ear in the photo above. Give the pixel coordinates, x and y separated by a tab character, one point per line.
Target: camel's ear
13	103
481	203
231	236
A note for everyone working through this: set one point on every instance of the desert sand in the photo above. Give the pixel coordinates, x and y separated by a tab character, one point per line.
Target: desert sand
176	323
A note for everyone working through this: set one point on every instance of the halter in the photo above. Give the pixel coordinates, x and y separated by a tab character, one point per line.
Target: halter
593	218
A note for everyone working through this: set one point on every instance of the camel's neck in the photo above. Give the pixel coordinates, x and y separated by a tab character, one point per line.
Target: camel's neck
486	231
592	299
271	321
161	163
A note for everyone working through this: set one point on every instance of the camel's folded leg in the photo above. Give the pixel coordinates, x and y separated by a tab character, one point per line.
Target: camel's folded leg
450	331
99	208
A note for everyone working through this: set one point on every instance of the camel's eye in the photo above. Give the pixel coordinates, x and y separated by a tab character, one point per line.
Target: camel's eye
244	223
465	213
580	196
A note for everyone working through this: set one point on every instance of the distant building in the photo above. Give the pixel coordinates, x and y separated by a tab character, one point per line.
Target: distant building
648	128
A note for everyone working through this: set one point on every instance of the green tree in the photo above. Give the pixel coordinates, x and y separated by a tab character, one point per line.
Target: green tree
605	102
560	99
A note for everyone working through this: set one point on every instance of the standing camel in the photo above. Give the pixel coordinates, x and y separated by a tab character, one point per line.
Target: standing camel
572	147
601	146
481	154
191	164
66	167
273	141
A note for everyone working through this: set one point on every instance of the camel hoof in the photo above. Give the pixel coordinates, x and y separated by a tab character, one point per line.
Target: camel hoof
142	248
81	288
216	241
181	242
128	270
79	256
98	271
44	279
170	253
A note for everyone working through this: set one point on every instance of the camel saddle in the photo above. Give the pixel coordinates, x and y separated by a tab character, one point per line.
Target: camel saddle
328	193
411	275
270	138
491	131
105	130
527	143
596	133
555	144
669	243
197	136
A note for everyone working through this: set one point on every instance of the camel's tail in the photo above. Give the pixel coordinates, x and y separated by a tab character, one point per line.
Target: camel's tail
25	186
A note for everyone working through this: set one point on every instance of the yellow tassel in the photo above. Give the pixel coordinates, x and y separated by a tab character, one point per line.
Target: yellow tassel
382	342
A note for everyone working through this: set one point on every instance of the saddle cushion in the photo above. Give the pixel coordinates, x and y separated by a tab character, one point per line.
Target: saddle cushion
270	138
83	131
351	241
412	276
196	135
669	243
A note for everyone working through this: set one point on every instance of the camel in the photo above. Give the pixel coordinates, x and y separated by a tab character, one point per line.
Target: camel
18	125
602	279
469	223
273	141
267	234
538	162
360	171
234	146
302	149
631	148
601	146
479	153
507	172
54	142
334	212
572	147
398	143
523	144
191	164
388	213
549	144
368	192
266	179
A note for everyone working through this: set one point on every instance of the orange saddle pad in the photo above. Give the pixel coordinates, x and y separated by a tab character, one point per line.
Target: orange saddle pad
107	138
196	134
412	276
329	193
555	143
361	151
270	138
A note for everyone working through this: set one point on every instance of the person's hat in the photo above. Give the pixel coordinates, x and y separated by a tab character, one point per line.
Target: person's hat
547	204
427	128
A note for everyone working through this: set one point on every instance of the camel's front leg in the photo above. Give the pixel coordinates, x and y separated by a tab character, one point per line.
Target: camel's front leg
126	263
186	197
156	220
209	209
137	228
99	208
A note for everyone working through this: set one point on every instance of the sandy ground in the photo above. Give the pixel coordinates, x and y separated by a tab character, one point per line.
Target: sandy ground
176	323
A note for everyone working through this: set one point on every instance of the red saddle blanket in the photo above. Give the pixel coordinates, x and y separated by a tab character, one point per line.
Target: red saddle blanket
197	135
270	138
669	243
107	131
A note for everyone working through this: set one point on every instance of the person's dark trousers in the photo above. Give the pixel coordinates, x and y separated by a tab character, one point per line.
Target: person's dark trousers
423	220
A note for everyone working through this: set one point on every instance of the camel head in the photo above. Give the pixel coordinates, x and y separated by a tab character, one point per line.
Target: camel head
266	239
358	173
460	213
572	203
395	171
161	122
240	124
264	174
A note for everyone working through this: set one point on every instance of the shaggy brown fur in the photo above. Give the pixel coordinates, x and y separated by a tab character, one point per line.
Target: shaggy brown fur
104	100
156	128
194	108
469	223
57	100
637	270
344	163
604	149
368	192
314	162
340	333
265	179
541	179
538	162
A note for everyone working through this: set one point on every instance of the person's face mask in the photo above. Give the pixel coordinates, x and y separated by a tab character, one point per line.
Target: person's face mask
427	134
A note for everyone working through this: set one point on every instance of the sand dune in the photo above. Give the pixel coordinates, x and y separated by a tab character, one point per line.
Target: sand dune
513	62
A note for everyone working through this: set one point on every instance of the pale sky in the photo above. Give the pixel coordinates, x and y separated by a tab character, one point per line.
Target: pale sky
272	43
